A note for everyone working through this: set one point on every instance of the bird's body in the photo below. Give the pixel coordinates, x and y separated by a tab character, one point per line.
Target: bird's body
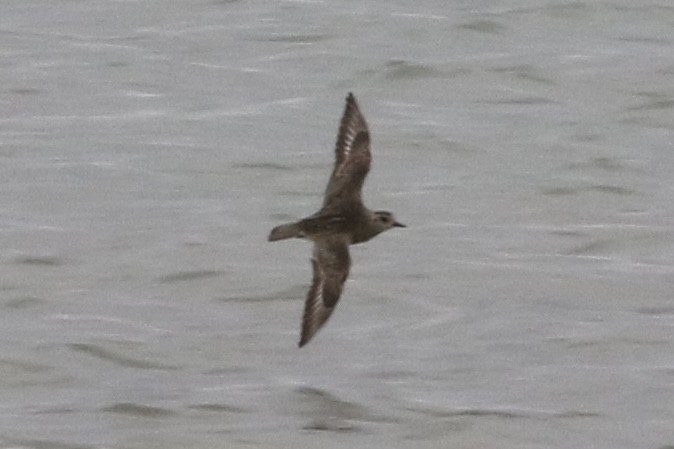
342	221
357	227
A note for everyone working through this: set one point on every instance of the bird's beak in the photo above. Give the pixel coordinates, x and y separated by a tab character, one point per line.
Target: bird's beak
399	225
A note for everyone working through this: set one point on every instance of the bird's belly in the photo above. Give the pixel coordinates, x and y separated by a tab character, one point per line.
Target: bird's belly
317	227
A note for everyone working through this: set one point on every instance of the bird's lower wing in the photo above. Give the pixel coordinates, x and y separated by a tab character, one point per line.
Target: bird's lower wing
330	264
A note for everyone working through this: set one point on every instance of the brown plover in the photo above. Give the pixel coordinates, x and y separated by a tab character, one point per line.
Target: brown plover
342	221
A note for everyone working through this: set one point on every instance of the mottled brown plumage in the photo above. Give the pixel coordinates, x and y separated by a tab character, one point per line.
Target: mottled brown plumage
342	221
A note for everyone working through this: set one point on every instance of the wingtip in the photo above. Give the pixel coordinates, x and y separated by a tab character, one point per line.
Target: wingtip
304	339
305	335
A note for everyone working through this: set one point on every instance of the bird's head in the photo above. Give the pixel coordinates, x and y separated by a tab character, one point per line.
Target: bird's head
384	220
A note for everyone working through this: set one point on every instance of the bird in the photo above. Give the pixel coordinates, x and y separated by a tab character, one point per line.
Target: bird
342	220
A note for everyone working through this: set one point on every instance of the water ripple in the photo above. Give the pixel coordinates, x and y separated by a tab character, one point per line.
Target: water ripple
40	261
183	276
140	410
220	408
328	413
484	26
45	444
121	360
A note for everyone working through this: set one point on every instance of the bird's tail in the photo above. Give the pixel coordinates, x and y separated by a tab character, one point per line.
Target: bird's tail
284	231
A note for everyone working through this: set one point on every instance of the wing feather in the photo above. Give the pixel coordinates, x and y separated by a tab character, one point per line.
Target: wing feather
352	161
330	264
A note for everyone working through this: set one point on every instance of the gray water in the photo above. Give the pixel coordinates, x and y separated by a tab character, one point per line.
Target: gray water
147	147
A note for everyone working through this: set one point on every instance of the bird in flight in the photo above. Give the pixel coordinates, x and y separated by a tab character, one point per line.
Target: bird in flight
342	221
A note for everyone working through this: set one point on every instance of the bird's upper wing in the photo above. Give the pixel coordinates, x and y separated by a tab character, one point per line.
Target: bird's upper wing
352	161
330	263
